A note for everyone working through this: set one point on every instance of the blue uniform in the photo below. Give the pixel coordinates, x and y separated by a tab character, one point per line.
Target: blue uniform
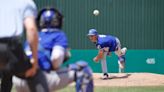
106	42
48	38
52	37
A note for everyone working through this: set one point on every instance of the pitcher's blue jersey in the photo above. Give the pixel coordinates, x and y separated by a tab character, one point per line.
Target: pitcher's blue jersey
48	38
106	42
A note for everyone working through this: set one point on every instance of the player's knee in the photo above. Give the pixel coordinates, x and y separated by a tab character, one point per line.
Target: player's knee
57	62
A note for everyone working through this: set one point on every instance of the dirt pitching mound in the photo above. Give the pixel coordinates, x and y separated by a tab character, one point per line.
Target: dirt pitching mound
129	79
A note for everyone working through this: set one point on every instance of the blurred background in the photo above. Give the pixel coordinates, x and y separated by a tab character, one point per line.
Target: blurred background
139	24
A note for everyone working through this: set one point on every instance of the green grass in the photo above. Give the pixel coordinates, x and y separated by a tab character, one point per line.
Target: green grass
121	89
118	89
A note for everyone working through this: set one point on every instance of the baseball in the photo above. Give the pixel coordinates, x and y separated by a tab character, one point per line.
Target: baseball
96	12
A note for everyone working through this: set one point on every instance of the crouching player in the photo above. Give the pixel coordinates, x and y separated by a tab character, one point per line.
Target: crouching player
52	52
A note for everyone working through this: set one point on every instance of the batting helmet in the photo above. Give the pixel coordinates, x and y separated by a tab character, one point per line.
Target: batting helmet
49	18
92	32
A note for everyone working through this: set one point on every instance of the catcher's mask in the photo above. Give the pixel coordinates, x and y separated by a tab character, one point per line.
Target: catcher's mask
49	18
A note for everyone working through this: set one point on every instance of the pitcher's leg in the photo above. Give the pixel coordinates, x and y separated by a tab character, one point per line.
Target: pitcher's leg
121	56
121	59
104	66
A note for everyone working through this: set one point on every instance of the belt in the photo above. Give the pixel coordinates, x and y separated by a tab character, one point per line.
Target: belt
10	39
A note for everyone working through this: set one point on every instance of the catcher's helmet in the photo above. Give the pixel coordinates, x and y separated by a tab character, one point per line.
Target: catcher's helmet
49	18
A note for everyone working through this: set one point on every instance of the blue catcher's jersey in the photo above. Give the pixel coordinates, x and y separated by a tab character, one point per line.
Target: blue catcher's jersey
106	42
48	38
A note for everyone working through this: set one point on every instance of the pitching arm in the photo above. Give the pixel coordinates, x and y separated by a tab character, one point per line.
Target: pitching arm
99	55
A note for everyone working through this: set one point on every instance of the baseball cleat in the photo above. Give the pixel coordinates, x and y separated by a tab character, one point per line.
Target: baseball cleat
105	76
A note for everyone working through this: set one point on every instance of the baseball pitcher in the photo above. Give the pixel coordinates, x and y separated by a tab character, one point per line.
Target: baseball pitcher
106	44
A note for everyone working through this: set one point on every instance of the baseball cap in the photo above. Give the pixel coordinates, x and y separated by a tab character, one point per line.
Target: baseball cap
92	32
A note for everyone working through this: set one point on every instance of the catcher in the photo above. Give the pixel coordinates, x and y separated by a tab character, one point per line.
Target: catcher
51	55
